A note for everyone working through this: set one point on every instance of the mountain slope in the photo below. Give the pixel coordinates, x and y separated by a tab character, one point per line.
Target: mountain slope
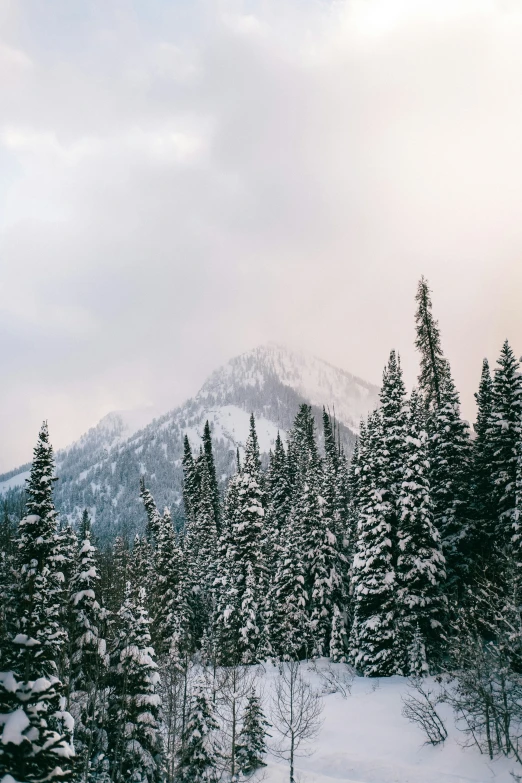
102	470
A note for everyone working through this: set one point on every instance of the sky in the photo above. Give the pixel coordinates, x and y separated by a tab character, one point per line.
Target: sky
182	180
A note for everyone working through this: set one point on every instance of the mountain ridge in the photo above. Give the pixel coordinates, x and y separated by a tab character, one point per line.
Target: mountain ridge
101	471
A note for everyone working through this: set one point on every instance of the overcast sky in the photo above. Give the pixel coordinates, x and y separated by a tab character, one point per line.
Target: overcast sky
183	180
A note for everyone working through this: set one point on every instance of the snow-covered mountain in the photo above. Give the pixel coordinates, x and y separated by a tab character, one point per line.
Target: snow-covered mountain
101	471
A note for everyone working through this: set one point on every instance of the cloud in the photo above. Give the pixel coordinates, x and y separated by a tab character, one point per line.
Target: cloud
183	181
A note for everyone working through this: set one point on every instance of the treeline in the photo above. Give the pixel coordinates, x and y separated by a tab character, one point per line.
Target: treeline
403	560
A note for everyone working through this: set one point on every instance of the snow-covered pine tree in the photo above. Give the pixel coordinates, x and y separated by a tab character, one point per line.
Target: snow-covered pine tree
226	592
450	459
450	445
119	566
153	515
64	563
433	366
39	581
168	561
199	549
289	625
393	409
309	532
353	470
505	434
7	585
135	747
88	660
212	478
482	489
374	633
278	492
327	561
422	605
302	447
251	747
141	566
247	533
377	502
197	760
190	483
35	729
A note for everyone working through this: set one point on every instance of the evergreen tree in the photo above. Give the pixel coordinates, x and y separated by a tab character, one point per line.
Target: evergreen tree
450	458
200	546
373	640
278	492
482	487
87	639
212	478
244	579
7	582
64	562
190	488
153	515
133	717
421	572
226	589
39	581
35	729
309	533
168	560
119	566
85	525
141	566
198	756
289	625
88	661
251	745
505	434
327	562
433	366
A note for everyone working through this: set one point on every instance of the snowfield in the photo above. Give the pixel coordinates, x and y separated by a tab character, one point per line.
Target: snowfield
365	739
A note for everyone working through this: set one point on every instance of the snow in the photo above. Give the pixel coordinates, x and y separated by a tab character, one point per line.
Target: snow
315	380
23	639
8	680
17	722
231	423
365	739
15	481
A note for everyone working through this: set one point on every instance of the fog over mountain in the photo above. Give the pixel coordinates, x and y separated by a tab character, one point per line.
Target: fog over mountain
180	181
101	471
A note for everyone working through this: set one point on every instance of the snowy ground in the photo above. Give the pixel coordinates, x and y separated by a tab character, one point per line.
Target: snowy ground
365	739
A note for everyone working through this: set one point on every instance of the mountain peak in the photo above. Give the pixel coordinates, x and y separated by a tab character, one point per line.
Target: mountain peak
315	380
102	470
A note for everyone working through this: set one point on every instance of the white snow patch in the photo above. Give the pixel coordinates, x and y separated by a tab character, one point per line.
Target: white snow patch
365	739
15	481
17	722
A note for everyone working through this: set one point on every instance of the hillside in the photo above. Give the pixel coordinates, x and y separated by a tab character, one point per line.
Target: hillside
364	738
101	471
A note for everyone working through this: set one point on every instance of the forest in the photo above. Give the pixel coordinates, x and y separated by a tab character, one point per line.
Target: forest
137	661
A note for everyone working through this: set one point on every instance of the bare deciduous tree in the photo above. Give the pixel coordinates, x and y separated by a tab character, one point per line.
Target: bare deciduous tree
419	707
295	714
232	686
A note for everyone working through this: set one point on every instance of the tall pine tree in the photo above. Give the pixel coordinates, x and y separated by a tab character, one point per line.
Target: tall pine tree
433	366
422	605
35	729
135	746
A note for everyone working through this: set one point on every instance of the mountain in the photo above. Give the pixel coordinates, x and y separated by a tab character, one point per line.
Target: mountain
101	471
